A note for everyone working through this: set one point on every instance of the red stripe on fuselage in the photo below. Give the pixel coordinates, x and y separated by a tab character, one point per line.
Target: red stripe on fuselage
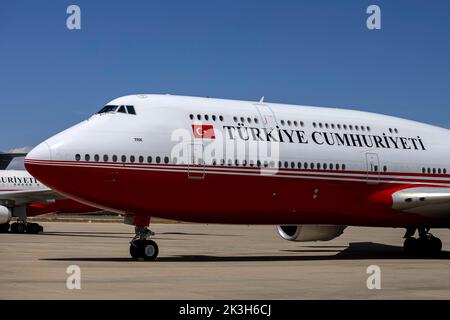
226	197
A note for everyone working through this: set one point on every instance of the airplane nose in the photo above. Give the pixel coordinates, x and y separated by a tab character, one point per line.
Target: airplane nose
40	152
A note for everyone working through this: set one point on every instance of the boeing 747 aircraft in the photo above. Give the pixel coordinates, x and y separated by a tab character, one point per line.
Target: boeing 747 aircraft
310	170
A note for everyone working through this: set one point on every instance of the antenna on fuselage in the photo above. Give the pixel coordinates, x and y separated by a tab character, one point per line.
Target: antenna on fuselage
261	100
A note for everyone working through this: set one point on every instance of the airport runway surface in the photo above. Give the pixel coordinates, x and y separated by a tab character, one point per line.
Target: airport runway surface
216	262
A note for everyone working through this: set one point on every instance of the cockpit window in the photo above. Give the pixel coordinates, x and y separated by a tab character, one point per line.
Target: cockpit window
131	110
121	109
108	109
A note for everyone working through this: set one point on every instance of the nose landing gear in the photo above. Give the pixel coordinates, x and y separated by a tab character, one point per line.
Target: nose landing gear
425	245
141	247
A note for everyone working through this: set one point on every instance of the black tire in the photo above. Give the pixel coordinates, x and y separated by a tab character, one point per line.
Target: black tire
14	227
144	250
33	228
135	250
411	246
21	228
4	228
150	250
435	245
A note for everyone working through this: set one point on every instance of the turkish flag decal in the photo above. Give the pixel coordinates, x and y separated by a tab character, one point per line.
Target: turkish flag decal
203	131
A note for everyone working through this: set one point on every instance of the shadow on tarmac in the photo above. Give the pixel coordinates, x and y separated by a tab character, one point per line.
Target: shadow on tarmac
355	251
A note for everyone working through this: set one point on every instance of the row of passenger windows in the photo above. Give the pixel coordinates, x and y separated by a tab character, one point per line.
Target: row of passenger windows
123	158
340	126
229	162
206	117
243	119
290	123
434	170
236	162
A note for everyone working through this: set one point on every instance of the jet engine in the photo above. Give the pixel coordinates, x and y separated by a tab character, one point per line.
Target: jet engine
305	233
5	215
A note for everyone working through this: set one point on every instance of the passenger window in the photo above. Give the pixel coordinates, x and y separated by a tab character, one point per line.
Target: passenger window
158	159
166	160
149	159
132	159
141	159
77	157
105	158
206	117
131	110
97	158
87	157
221	118
114	158
191	116
124	158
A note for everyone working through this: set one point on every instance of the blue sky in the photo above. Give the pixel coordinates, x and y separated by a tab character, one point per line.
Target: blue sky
302	52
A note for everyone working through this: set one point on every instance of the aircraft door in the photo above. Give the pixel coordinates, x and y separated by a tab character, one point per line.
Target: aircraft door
267	117
373	167
196	165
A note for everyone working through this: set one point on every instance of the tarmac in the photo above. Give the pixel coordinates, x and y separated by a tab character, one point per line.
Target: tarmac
199	261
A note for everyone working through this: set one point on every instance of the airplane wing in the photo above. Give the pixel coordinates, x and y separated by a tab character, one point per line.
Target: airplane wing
27	197
427	201
6	158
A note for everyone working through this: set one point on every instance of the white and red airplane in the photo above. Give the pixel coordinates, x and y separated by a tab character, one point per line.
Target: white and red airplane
22	196
310	170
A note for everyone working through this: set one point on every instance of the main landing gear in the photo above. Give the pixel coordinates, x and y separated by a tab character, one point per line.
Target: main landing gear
29	227
141	247
425	245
